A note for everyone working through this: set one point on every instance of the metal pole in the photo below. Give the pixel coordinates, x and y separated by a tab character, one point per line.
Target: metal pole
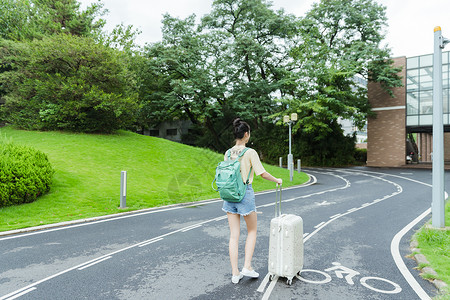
299	165
123	189
437	206
281	162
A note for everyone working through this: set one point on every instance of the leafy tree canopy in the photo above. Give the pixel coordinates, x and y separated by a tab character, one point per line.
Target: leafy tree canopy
65	82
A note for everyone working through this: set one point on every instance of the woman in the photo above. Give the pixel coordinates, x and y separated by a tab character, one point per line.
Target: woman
247	207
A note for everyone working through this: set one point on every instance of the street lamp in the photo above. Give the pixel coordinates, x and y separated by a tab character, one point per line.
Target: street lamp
438	197
290	119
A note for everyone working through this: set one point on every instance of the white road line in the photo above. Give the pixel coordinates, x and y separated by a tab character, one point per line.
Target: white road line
335	216
318	225
263	284
270	288
151	242
94	263
395	245
191	227
19	294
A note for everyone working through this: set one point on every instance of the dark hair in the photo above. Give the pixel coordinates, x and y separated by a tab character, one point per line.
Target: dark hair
240	128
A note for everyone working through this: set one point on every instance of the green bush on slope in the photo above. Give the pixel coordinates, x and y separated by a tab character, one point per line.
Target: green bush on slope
25	174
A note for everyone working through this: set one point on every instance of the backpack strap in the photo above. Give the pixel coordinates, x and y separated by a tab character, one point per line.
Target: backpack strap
248	177
242	152
250	172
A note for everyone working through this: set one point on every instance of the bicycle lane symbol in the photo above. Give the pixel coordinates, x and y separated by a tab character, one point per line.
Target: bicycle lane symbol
348	274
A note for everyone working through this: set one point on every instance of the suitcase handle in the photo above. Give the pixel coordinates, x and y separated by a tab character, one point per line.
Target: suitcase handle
278	197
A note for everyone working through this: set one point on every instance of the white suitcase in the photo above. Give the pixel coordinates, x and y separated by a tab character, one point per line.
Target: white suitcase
285	244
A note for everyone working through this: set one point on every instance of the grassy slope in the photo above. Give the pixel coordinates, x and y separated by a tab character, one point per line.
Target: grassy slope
87	178
435	245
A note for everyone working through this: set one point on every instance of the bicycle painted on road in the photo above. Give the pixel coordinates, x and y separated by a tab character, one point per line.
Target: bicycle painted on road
348	274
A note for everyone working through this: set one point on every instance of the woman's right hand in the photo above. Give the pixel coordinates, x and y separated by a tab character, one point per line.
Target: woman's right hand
279	181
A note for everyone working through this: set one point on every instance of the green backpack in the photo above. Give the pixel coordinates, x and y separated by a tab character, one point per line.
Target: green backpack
229	180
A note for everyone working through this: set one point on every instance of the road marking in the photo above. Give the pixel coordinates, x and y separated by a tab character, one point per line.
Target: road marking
318	225
395	250
263	284
335	216
191	227
324	203
19	294
340	270
94	263
326	280
270	288
151	242
397	288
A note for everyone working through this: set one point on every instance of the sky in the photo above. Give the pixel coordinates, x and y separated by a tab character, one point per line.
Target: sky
410	29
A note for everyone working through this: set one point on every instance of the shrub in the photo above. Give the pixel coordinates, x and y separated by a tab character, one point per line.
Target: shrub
361	155
25	174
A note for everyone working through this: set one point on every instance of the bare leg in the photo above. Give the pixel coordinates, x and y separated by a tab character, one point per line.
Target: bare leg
234	223
250	243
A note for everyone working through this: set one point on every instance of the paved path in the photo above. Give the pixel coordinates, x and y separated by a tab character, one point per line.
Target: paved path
356	236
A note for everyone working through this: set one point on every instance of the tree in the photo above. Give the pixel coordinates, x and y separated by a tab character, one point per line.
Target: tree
339	40
232	63
27	19
65	82
15	20
255	57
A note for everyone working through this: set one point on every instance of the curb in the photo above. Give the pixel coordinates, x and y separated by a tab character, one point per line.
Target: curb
421	259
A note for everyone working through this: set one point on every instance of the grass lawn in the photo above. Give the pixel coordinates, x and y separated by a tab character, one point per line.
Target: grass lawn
435	245
87	178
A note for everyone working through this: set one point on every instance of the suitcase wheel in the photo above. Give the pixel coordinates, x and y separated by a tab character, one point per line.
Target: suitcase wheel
271	277
289	281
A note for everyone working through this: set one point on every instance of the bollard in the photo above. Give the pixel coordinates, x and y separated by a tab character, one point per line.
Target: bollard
299	165
281	162
291	170
123	189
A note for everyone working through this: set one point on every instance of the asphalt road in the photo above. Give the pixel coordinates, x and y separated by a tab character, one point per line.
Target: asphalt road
356	239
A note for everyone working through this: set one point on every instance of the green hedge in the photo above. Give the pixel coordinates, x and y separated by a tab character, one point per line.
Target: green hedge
25	174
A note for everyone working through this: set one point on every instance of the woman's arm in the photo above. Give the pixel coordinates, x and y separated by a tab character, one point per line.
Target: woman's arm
269	177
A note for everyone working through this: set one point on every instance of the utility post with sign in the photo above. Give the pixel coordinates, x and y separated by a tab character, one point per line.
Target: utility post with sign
290	120
438	197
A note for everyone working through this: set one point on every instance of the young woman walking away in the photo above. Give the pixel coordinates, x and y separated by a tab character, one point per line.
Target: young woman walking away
247	207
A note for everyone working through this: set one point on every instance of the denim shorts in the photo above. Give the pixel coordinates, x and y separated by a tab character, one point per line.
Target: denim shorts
243	208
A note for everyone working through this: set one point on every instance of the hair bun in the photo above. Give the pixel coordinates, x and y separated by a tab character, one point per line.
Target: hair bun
240	128
237	122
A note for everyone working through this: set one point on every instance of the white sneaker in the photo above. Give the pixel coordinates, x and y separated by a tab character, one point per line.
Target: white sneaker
235	279
248	273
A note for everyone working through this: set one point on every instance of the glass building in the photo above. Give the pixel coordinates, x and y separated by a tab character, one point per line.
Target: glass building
419	92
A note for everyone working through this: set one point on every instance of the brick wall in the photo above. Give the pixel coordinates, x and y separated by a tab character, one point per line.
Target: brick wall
386	133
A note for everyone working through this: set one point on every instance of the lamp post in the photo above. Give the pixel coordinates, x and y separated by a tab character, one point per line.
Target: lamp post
289	120
438	201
